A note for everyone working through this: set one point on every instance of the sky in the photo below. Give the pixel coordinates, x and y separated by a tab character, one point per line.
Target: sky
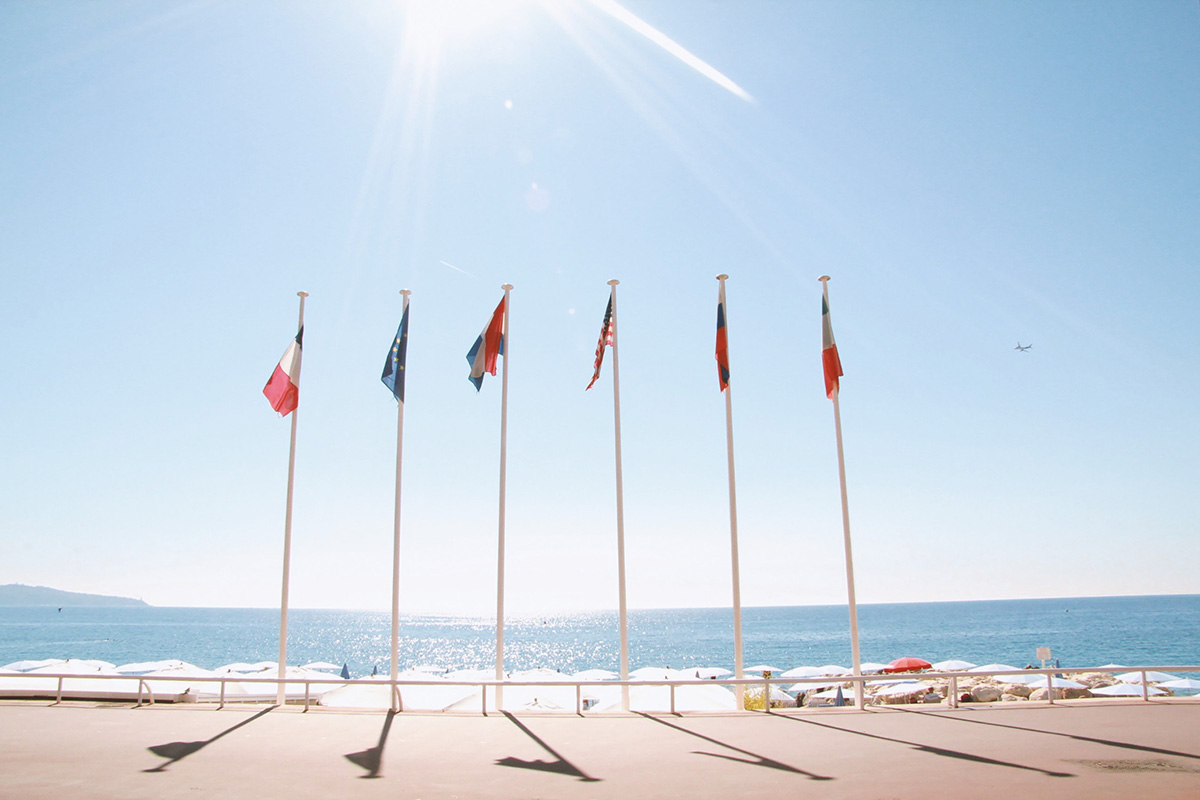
970	175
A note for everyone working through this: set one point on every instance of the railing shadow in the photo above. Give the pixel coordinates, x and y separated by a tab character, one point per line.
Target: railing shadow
1078	737
371	758
932	749
560	765
175	751
754	758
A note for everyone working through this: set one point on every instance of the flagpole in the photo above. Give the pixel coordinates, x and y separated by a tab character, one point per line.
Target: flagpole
837	422
395	692
733	534
622	611
287	528
500	538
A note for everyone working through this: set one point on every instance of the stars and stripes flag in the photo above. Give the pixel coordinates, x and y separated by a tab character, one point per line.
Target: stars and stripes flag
829	352
606	340
283	389
722	343
393	367
490	344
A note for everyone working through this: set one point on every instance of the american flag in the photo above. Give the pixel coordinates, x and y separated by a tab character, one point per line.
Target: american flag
606	339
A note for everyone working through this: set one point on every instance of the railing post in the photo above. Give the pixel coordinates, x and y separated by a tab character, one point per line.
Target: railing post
483	686
58	696
953	689
222	703
672	698
307	685
579	699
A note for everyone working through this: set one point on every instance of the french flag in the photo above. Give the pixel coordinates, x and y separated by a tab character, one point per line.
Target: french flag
283	390
829	352
489	345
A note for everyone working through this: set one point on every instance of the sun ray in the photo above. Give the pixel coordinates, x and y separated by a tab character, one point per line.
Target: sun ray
639	25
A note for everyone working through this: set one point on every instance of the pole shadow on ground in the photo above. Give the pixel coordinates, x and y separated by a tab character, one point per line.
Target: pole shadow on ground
174	751
560	765
371	758
1160	751
929	748
754	758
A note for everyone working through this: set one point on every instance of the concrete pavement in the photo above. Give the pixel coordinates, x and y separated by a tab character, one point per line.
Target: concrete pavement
1094	749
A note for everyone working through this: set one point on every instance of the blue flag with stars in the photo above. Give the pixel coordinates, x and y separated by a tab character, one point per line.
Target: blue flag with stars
393	368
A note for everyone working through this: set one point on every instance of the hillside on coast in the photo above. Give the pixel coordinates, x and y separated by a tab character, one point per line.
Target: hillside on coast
17	594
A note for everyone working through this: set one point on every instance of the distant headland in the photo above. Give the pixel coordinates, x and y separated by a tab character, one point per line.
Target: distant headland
17	594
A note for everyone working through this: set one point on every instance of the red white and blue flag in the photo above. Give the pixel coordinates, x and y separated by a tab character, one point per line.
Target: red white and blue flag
829	352
722	343
490	344
606	340
283	389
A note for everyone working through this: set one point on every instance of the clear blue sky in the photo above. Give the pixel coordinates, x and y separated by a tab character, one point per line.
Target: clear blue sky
971	175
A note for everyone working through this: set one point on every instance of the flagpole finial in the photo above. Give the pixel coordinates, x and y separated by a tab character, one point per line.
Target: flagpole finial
613	282
722	277
823	278
507	287
406	292
301	294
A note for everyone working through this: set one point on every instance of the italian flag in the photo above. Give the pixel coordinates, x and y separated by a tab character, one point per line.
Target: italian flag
829	353
283	390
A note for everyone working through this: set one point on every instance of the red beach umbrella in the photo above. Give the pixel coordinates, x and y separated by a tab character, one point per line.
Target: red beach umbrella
908	664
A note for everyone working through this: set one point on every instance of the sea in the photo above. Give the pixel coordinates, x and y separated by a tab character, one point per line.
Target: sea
1080	632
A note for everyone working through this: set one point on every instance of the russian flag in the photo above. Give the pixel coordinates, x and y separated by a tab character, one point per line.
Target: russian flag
722	343
829	352
489	345
283	390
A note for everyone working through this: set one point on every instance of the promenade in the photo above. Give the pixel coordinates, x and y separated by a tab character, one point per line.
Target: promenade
1092	749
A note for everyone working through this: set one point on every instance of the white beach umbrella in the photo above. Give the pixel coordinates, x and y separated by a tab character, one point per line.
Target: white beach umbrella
76	666
1151	677
833	669
953	665
142	667
761	668
796	688
1182	683
709	673
239	666
803	672
322	665
657	674
596	675
908	687
27	665
871	667
541	675
1125	690
994	668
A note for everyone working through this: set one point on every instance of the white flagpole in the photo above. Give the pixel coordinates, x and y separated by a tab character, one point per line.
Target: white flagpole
837	422
623	616
395	693
287	526
500	538
733	536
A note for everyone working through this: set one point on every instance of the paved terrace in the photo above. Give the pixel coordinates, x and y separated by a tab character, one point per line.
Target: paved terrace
1092	749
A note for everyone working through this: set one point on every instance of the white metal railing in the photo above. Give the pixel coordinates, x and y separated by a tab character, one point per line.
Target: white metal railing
858	683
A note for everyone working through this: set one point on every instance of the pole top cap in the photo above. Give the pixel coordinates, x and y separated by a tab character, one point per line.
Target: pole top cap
507	287
613	282
301	294
406	292
823	278
722	277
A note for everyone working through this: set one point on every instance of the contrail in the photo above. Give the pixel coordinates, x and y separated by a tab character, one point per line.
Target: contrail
636	23
456	269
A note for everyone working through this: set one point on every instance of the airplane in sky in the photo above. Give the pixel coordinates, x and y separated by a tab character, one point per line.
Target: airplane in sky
1022	347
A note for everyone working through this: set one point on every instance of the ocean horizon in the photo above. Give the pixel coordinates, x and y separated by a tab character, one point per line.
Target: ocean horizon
1081	632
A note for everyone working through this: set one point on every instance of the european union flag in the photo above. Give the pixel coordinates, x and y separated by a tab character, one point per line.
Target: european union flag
393	368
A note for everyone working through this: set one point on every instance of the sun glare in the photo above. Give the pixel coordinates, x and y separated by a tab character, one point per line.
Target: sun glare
430	25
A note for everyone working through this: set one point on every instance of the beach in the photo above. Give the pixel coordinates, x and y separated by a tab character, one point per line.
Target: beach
1073	749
